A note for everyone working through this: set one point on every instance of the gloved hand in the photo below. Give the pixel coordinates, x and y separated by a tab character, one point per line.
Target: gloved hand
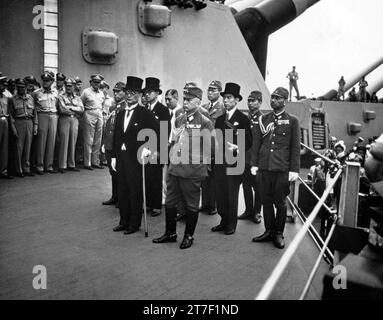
293	176
145	153
254	170
113	164
103	148
232	146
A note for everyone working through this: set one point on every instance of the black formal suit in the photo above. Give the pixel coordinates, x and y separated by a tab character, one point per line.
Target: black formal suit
128	167
227	185
154	170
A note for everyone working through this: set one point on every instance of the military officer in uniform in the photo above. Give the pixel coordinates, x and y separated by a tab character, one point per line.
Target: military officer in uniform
227	182
252	200
46	100
215	109
70	108
155	170
276	161
189	157
126	155
78	87
60	80
23	111
117	105
93	99
4	128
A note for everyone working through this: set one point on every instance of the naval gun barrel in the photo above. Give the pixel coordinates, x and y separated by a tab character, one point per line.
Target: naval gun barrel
350	82
237	6
375	86
258	22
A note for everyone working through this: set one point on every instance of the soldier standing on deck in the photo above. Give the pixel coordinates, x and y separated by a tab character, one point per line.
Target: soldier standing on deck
215	109
193	139
252	201
117	105
276	161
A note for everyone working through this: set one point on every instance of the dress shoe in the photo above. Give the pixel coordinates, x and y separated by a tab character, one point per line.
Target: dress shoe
73	169
61	170
6	176
29	174
257	218
218	228
130	230
245	216
119	228
96	166
211	212
266	236
155	212
186	242
88	168
278	241
229	231
166	238
39	172
52	171
109	202
180	216
20	175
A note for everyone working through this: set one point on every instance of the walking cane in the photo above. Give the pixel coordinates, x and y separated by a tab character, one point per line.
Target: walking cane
144	197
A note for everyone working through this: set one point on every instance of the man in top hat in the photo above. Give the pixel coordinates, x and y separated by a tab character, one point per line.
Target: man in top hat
117	105
250	190
46	100
127	153
60	79
215	109
276	162
154	170
234	139
4	128
70	108
23	111
192	146
93	99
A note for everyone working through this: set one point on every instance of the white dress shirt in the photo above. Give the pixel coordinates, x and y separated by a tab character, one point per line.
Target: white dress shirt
230	113
128	115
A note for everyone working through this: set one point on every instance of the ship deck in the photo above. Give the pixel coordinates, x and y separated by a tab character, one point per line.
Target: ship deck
57	220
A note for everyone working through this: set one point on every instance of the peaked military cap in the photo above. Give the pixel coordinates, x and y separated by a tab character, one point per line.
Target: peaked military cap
3	79
193	92
60	76
48	75
78	80
97	77
256	95
134	83
152	84
70	81
20	82
216	84
232	88
30	79
190	84
281	92
104	84
119	86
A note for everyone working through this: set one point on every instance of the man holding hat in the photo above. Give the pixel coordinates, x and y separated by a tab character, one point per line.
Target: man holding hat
70	109
154	170
215	109
235	139
4	125
252	200
127	154
93	99
60	79
117	105
276	161
46	106
23	111
190	154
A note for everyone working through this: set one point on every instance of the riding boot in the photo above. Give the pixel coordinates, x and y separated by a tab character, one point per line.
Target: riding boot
191	222
171	222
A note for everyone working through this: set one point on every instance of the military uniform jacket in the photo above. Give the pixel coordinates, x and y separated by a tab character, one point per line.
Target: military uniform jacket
23	107
110	123
192	147
66	102
277	143
254	123
216	111
46	100
237	121
140	119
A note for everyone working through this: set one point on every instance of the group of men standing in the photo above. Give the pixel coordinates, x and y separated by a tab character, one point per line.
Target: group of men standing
202	152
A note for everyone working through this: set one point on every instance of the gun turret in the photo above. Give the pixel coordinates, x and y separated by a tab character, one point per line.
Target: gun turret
258	22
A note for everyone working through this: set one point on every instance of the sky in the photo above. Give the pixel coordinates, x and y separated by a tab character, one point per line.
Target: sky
330	39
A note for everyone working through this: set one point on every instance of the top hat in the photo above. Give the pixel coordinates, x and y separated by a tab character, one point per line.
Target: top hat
60	76
134	83
281	92
152	84
232	88
216	84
